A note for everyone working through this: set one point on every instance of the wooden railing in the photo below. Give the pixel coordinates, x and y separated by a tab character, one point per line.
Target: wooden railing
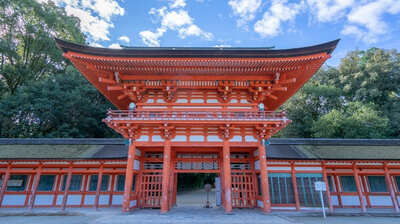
196	115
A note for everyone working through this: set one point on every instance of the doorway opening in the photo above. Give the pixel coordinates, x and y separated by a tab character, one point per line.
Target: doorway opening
192	190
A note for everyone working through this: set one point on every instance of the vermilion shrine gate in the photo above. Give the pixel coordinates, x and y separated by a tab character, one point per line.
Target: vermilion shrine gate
197	110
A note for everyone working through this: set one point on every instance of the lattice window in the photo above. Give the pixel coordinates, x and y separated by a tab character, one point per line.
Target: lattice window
243	190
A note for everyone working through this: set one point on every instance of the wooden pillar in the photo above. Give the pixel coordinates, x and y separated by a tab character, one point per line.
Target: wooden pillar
98	189
226	160
4	185
171	180
338	191
35	186
66	190
359	191
129	176
389	183
264	176
175	188
366	193
295	191
222	180
328	192
110	199
166	175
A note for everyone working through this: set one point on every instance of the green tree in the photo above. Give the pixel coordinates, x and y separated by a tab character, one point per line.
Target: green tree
355	120
27	46
65	105
314	99
373	76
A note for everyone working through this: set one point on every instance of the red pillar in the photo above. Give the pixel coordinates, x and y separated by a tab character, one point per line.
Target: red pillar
171	181
66	190
129	176
328	192
175	188
360	194
295	191
98	189
226	160
338	191
4	185
166	175
389	183
35	185
264	177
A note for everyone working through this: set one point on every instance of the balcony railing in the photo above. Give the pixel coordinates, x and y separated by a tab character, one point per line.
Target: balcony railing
195	115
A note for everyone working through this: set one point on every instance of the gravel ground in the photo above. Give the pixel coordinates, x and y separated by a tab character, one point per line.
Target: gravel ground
189	210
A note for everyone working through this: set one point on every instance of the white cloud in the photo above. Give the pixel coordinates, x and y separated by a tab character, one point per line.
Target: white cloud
124	39
279	12
176	18
245	10
365	21
329	10
222	45
115	46
150	38
177	4
94	44
95	15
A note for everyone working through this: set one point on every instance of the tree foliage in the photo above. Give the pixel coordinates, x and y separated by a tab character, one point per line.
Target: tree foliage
27	46
65	105
359	99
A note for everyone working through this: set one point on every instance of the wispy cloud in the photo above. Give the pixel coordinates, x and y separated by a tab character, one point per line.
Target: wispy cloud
95	15
176	18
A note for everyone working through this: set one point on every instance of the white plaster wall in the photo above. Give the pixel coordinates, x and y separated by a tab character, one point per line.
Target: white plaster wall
136	164
44	199
260	204
334	200
160	101
157	138
179	138
309	168
236	138
59	199
250	138
117	199
380	200
103	199
213	138
196	138
74	199
279	168
181	100
212	101
257	165
234	101
12	199
132	203
351	200
90	199
283	208
197	101
143	138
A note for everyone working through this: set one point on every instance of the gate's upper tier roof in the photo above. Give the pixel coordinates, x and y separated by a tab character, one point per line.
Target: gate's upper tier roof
198	52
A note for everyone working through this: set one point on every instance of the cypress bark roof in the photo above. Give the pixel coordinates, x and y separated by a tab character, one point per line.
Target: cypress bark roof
206	52
339	149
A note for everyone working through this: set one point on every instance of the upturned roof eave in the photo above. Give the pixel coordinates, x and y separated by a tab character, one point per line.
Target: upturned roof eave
197	52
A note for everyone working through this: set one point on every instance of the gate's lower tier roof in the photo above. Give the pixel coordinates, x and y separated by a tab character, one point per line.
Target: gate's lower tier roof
300	149
207	52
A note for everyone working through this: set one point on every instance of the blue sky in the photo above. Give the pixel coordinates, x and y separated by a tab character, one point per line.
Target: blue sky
360	24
